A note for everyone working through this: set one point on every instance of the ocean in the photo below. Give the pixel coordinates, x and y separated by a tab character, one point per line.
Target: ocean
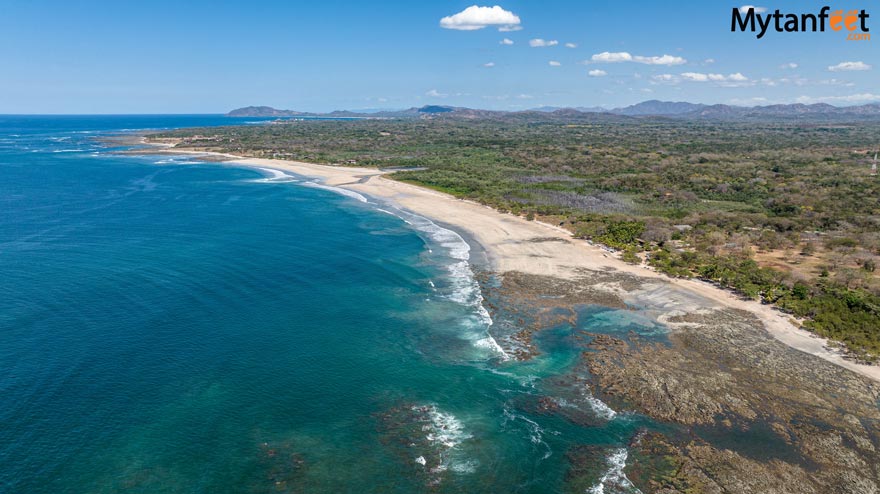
169	325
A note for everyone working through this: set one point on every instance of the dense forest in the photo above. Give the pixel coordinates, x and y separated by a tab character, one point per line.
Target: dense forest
786	212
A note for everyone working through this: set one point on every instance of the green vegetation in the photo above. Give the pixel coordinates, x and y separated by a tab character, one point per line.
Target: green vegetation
784	212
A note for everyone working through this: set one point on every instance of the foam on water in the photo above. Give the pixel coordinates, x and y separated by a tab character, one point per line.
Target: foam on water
275	176
445	429
444	432
338	190
599	407
177	161
535	431
465	289
614	481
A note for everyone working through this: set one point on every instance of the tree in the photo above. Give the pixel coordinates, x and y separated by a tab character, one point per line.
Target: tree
808	249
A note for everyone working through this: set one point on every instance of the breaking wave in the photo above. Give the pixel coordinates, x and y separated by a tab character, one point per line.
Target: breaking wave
337	190
275	176
614	481
444	433
464	288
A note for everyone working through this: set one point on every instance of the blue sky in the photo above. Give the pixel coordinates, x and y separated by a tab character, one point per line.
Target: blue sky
209	57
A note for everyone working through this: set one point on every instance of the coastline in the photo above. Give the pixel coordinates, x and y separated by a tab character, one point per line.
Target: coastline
514	244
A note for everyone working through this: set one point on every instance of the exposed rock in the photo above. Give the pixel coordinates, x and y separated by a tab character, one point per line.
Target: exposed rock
756	416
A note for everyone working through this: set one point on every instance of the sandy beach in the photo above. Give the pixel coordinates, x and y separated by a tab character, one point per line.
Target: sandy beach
510	242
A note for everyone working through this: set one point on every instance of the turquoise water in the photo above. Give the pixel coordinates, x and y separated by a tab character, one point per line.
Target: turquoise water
174	326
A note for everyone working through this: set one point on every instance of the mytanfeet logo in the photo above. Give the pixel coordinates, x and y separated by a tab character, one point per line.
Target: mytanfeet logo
852	22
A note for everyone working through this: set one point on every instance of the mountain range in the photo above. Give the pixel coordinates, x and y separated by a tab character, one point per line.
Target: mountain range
646	109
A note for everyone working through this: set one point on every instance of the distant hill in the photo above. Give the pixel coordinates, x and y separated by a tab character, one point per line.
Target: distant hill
814	112
655	107
436	109
584	109
263	111
818	112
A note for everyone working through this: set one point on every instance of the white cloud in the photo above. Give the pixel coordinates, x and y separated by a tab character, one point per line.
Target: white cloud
436	94
506	41
836	82
554	63
524	96
789	65
597	73
475	17
489	65
700	77
848	66
758	10
852	98
509	29
709	61
730	80
663	60
571	45
608	57
540	43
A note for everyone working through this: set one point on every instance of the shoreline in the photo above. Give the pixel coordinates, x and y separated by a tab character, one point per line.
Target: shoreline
511	243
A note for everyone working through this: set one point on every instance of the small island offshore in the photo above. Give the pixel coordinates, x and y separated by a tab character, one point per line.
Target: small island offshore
750	235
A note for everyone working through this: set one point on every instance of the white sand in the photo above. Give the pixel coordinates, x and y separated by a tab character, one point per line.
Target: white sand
506	239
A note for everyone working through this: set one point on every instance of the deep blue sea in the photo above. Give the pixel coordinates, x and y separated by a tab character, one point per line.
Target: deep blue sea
172	326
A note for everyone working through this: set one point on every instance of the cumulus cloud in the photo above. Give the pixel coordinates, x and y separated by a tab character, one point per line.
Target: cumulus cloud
789	65
489	65
618	57
506	41
662	60
608	57
699	77
597	73
849	66
746	8
554	63
571	45
851	98
436	94
475	17
541	43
